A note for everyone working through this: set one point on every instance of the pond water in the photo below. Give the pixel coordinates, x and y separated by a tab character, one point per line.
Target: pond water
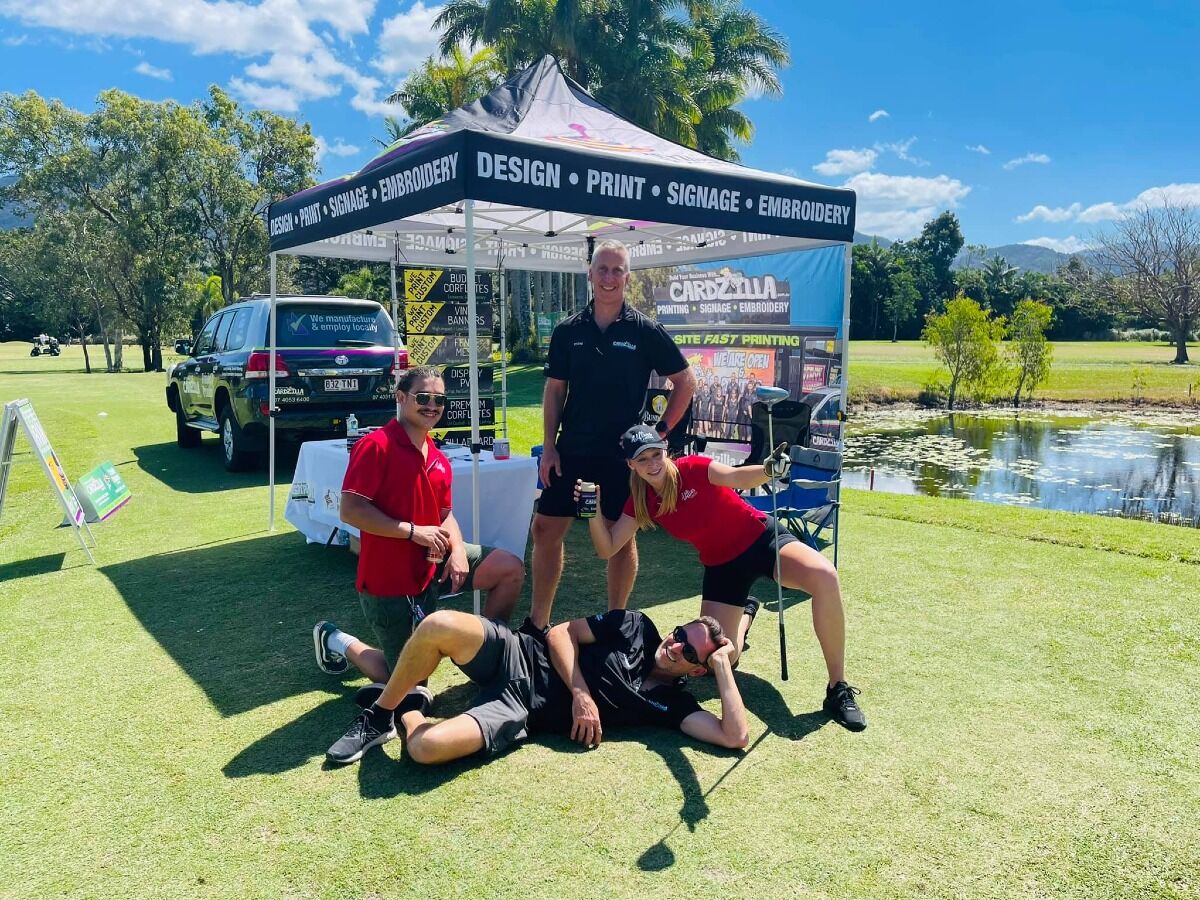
1135	465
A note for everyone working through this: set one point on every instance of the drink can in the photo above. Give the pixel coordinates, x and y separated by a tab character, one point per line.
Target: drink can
587	500
500	448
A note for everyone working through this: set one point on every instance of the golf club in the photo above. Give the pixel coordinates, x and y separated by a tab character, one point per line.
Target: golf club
769	396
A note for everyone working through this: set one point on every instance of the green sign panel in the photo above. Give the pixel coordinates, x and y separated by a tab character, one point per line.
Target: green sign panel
545	326
101	492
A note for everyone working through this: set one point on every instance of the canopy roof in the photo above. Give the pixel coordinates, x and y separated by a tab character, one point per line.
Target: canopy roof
550	169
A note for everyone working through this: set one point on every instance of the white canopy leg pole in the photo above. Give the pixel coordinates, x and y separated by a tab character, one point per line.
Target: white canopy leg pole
271	407
473	356
503	356
395	322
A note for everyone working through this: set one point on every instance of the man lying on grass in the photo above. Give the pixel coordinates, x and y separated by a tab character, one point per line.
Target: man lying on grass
587	674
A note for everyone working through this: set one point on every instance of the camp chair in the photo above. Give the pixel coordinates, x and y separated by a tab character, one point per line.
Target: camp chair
810	504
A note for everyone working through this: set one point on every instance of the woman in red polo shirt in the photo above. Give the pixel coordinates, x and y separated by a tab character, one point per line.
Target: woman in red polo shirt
694	499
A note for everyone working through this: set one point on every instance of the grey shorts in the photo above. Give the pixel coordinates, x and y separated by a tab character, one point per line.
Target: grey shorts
501	708
391	618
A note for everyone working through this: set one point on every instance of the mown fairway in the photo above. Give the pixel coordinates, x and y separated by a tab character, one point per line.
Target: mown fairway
1029	679
1096	371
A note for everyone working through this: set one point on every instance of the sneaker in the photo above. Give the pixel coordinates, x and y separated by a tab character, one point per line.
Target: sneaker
841	706
327	661
419	699
362	735
365	696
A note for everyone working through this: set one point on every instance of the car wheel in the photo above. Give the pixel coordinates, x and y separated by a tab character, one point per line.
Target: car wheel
233	454
184	435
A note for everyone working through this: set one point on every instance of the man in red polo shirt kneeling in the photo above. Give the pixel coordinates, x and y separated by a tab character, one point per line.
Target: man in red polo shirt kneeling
397	493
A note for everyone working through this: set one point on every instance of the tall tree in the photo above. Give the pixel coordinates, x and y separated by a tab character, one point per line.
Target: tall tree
1154	255
440	86
936	247
1029	354
965	339
679	76
900	306
237	163
870	282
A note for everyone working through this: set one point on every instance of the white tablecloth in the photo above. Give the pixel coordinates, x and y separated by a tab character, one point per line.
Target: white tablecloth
506	494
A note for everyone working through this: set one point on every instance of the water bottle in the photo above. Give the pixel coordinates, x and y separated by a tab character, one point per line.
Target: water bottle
351	425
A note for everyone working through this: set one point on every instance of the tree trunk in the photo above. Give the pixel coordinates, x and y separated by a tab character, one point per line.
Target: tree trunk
118	360
147	361
953	391
1181	354
87	362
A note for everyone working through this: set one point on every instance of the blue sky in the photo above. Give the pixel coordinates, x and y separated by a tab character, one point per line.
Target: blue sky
1034	122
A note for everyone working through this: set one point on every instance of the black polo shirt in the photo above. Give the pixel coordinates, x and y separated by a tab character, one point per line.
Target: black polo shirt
607	374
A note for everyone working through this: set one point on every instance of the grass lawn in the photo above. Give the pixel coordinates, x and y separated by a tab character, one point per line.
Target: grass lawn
1030	679
1083	371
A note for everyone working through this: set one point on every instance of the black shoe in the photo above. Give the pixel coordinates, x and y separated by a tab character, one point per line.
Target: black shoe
527	627
419	698
841	707
366	732
327	661
365	696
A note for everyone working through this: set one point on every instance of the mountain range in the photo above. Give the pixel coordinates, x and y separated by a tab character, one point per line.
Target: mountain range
1026	257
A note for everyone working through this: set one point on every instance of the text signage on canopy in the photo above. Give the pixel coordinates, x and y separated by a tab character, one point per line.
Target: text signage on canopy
723	297
499	169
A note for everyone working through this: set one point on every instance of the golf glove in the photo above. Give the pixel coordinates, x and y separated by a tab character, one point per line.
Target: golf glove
779	462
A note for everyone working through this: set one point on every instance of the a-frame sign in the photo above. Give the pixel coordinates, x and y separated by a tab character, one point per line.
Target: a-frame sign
20	412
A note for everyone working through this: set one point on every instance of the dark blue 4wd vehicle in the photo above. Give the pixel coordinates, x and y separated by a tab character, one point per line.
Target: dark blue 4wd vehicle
334	357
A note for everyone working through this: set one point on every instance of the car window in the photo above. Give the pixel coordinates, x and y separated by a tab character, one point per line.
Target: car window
222	331
204	343
828	411
332	325
236	338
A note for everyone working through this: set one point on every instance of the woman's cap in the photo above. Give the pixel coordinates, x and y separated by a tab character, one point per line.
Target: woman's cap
639	438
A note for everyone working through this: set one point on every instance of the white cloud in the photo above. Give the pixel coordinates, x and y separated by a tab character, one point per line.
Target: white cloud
878	114
303	42
1039	158
1041	213
980	149
846	162
896	206
1070	244
900	148
16	41
144	68
1183	194
338	148
407	39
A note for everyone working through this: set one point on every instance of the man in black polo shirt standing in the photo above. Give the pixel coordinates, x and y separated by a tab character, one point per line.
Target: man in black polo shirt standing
600	364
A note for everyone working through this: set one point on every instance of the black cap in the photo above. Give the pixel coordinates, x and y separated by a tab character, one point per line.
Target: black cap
639	438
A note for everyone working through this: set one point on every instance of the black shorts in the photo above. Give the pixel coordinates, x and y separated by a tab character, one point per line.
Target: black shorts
731	582
501	708
609	472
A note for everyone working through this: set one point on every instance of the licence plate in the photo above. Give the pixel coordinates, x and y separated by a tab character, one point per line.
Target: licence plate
341	384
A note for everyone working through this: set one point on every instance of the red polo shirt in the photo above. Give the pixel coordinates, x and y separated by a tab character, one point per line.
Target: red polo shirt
388	469
713	519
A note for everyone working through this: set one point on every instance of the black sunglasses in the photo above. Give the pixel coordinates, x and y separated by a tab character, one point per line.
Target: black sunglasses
424	398
689	652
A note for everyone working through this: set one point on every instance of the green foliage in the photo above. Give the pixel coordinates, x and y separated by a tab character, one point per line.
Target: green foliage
679	76
900	306
1029	355
206	296
966	340
440	86
365	284
142	194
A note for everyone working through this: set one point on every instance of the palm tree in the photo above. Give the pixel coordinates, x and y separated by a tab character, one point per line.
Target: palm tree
440	86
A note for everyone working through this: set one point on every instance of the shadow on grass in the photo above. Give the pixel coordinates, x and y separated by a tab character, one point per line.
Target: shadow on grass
199	470
39	565
237	617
